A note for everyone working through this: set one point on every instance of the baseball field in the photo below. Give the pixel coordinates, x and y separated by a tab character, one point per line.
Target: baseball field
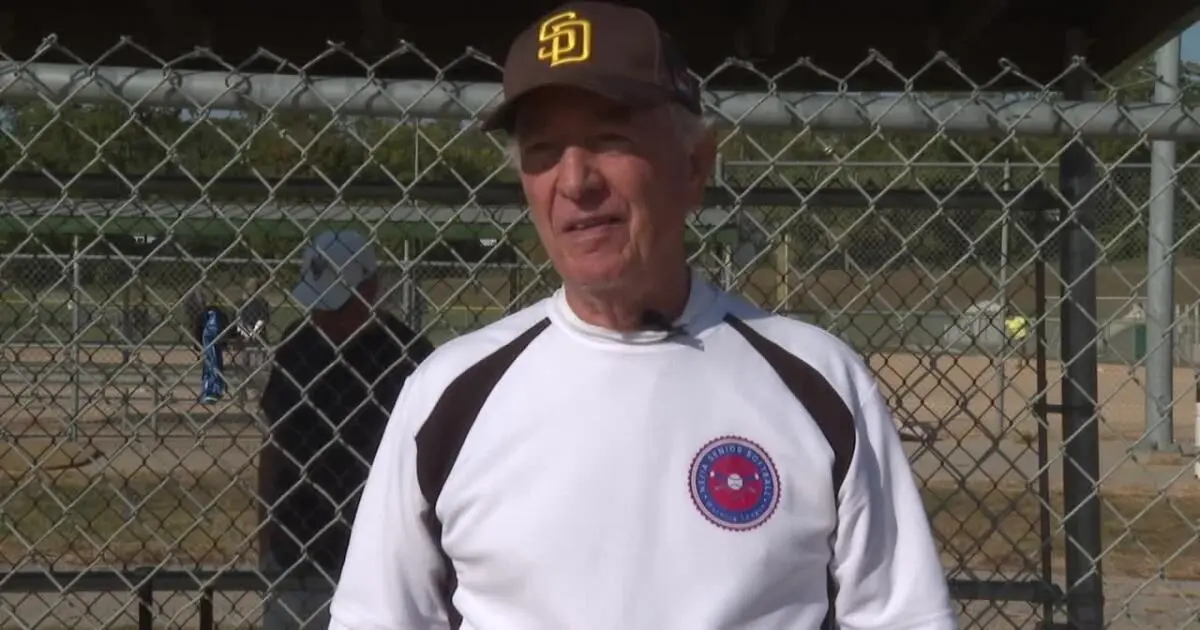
164	483
147	478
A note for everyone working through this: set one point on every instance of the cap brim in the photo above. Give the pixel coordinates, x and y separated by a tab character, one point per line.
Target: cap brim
635	94
315	298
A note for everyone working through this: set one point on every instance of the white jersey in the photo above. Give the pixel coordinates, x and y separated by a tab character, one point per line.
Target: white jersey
741	471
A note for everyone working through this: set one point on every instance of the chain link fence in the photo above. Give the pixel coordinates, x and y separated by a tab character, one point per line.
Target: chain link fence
914	226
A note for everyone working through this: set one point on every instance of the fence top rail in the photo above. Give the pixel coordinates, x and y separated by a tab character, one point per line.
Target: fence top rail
1035	113
113	580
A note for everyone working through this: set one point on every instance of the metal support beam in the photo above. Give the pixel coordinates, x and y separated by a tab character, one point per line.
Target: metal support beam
378	30
39	195
8	25
447	215
1081	435
181	27
963	21
756	39
1160	272
1160	22
909	113
104	580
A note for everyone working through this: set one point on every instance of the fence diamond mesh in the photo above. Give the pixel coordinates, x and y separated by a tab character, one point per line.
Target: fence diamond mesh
915	226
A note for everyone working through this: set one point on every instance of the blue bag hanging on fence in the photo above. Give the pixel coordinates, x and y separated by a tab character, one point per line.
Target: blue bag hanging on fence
212	383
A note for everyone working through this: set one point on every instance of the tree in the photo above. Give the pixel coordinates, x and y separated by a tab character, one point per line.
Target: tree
278	149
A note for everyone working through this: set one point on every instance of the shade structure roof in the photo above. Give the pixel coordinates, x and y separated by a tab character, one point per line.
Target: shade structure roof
1003	44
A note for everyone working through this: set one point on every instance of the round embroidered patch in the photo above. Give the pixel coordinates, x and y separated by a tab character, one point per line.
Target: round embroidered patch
734	483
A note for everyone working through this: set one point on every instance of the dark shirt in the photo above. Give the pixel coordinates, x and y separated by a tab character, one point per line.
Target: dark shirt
327	417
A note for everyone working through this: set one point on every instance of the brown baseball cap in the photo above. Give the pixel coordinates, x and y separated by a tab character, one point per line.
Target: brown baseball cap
615	51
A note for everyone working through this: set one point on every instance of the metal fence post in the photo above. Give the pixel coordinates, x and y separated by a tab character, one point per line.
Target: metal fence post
1192	316
1160	268
1081	436
1005	345
413	313
76	365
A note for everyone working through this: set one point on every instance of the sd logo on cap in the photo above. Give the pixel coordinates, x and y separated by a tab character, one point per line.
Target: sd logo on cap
564	38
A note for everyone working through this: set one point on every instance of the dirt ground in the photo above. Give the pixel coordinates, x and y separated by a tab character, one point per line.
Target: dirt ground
166	480
958	397
961	395
178	439
156	384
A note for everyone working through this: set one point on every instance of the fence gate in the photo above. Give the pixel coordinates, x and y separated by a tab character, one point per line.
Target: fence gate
918	227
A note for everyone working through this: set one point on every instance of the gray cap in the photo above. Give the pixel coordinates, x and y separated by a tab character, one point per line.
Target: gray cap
334	264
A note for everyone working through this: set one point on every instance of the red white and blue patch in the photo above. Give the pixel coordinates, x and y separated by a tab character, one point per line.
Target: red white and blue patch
734	483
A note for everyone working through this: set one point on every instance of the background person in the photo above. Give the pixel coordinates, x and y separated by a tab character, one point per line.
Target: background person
334	379
209	328
255	314
253	318
213	343
1017	329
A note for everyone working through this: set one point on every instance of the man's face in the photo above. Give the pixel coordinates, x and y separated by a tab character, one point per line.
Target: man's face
609	189
341	324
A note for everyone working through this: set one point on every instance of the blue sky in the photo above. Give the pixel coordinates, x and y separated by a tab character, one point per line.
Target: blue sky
1190	44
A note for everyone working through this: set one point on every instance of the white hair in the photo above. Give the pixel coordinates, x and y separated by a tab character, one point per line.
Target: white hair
689	127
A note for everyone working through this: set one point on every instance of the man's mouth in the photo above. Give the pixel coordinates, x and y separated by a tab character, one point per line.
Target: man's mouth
592	222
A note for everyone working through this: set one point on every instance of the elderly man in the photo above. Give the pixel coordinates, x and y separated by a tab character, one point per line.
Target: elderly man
327	401
641	450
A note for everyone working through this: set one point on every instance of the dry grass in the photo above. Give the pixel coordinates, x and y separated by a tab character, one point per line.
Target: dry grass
68	520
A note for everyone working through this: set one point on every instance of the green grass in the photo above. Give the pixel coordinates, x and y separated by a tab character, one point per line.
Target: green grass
187	521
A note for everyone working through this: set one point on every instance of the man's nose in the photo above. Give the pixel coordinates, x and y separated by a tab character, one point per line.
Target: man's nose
577	176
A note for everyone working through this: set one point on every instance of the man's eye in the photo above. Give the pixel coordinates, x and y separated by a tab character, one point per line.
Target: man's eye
539	156
538	149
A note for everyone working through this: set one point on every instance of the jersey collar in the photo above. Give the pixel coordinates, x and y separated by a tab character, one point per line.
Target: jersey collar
698	314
